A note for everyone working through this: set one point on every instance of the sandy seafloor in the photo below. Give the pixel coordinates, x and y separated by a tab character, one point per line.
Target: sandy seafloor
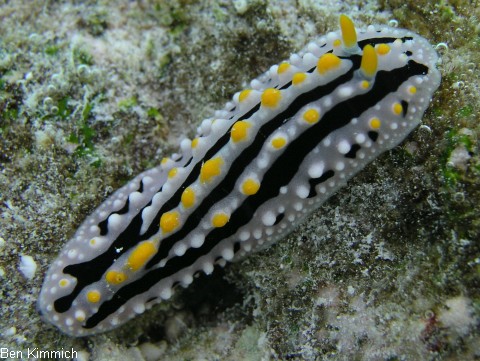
92	93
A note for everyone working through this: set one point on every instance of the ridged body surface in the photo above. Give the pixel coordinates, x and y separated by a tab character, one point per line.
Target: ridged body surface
274	154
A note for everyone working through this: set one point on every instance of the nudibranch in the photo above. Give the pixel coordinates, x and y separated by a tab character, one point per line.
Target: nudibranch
256	169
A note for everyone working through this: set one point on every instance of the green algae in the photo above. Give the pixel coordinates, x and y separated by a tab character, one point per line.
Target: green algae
128	102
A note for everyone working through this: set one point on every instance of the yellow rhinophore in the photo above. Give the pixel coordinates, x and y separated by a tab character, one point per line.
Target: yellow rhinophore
349	35
369	62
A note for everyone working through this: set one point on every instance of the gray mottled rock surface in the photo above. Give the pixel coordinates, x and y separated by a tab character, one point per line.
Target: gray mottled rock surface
91	94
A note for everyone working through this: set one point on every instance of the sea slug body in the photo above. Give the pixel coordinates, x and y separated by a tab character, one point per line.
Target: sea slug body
256	169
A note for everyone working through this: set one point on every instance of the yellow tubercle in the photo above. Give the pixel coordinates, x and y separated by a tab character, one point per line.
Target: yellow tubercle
115	277
328	62
195	142
211	168
250	186
375	123
239	131
188	197
80	316
271	97
244	94
63	282
365	84
412	89
337	42
349	35
164	160
279	142
169	221
93	296
282	68
172	172
397	108
141	254
369	62
311	116
220	219
383	49
298	78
